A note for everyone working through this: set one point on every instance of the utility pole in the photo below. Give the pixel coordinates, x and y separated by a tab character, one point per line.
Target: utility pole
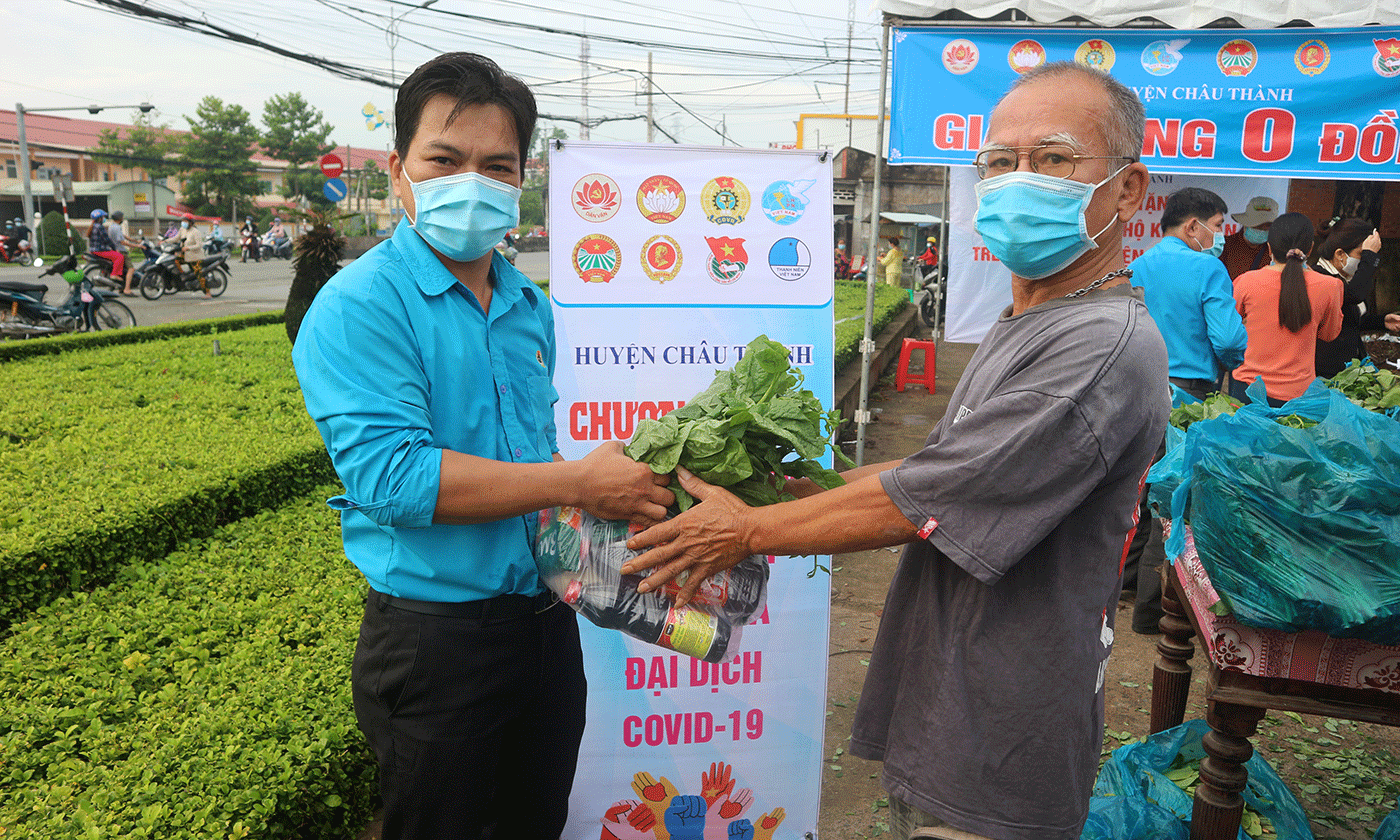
583	108
850	30
651	127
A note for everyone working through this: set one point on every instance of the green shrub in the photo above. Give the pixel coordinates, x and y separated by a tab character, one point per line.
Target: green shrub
849	315
206	695
115	457
28	348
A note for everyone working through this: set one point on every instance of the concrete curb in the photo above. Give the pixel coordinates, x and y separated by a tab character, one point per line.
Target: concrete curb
887	345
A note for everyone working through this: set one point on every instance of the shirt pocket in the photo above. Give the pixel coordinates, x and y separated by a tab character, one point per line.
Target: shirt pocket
540	397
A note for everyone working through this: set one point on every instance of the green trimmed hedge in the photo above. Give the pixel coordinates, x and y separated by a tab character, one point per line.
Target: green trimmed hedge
849	314
15	349
115	457
203	695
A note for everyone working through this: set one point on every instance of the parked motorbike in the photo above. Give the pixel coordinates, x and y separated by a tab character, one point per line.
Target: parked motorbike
932	305
252	246
24	314
281	249
214	246
165	275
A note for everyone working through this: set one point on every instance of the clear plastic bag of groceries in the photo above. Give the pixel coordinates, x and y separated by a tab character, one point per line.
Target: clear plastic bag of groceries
580	557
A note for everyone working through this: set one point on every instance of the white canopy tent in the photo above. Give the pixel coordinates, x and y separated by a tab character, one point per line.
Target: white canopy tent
1098	14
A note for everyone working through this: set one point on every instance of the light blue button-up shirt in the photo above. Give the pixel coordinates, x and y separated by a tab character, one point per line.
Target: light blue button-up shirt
397	362
1190	296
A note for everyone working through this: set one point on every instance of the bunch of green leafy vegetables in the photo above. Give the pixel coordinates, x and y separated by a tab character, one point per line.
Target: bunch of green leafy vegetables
749	432
1372	388
1215	405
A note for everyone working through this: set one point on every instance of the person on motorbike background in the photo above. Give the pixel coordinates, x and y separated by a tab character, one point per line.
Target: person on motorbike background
249	232
277	232
100	243
122	243
216	235
192	241
24	236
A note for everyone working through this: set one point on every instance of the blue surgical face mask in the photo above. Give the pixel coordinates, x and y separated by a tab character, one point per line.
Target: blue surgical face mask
1217	245
1035	223
1254	236
463	216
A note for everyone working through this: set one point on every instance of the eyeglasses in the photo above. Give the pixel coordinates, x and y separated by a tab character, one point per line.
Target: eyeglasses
1056	161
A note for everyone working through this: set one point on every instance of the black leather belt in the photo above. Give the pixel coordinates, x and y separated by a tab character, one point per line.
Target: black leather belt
499	607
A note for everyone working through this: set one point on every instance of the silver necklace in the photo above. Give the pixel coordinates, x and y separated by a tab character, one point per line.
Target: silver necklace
1122	272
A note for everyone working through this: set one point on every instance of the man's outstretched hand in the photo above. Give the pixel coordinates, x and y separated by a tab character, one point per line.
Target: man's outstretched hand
710	537
613	486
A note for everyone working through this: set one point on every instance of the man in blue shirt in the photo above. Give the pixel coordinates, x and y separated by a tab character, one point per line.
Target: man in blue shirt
1190	296
427	366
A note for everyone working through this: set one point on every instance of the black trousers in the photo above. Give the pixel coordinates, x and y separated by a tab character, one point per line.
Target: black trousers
475	722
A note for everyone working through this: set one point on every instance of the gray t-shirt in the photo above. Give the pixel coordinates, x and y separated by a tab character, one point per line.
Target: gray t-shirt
114	231
984	697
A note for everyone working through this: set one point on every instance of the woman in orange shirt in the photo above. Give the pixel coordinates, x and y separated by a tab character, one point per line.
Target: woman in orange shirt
1287	309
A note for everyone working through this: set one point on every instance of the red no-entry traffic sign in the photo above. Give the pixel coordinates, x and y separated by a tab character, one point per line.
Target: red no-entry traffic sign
332	166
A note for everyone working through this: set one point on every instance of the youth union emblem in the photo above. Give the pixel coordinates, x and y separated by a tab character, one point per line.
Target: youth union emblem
960	56
725	200
1237	58
1096	54
1312	57
727	259
785	201
596	198
597	258
1025	55
661	258
789	258
1161	57
1387	59
661	199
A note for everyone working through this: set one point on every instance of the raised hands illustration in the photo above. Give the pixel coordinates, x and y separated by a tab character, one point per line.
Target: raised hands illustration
740	830
629	819
717	783
768	823
656	795
736	805
685	818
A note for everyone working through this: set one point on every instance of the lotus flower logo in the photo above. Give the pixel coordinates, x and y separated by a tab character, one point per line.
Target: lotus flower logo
596	198
1025	55
661	199
960	56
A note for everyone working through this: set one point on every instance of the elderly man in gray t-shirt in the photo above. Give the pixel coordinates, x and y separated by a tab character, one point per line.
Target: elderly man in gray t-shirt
985	693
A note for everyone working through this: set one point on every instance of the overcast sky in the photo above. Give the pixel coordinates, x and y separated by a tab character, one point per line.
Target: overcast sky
751	67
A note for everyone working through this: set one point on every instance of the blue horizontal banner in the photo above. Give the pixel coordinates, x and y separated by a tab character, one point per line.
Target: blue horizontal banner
1302	103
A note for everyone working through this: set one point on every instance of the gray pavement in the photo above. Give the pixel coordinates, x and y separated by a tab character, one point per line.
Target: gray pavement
252	287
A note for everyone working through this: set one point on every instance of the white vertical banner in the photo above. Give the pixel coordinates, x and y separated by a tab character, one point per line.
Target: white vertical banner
665	261
979	286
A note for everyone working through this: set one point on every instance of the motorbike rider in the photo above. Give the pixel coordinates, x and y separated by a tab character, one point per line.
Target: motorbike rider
100	243
216	236
249	232
928	260
122	244
192	258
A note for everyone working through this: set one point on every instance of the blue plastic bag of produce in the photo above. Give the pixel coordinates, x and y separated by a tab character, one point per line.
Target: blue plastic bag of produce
1298	528
1390	826
1142	780
1165	475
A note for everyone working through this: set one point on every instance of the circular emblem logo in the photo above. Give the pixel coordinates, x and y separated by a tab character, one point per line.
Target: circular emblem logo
1237	58
960	56
725	200
728	259
661	199
661	258
596	198
1096	54
1025	55
597	258
789	258
1312	57
785	201
1386	61
1161	57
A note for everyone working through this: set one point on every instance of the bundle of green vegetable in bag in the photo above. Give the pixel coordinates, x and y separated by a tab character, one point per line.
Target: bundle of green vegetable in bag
750	431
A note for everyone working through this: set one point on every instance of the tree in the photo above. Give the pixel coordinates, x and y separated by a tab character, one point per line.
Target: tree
298	134
147	145
317	260
376	180
218	152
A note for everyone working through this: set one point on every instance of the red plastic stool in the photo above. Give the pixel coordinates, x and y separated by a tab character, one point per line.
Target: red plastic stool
926	379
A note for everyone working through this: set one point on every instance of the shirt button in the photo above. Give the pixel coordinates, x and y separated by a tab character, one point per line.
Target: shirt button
518	453
503	389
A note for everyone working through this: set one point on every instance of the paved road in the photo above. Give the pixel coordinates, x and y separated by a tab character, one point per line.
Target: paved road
252	287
